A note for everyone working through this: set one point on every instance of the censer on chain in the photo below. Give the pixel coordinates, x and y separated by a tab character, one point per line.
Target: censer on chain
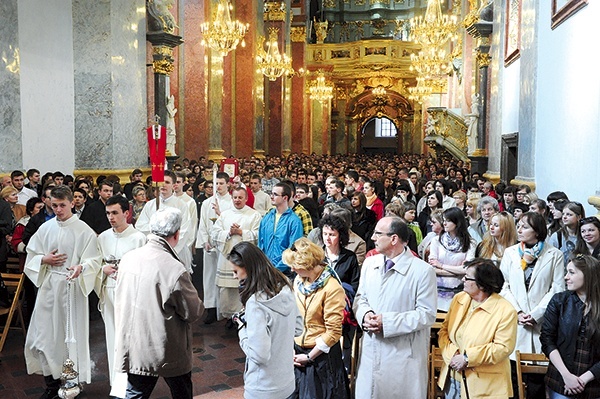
69	378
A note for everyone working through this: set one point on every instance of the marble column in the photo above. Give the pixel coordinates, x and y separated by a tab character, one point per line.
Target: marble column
299	135
109	90
215	106
10	101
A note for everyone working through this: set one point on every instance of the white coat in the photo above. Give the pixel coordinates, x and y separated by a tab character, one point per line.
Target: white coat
546	280
393	364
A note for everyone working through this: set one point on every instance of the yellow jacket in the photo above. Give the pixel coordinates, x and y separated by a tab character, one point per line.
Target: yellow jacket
488	339
323	313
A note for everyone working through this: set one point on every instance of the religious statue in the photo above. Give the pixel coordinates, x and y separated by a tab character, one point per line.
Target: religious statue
171	133
430	127
159	16
472	121
321	31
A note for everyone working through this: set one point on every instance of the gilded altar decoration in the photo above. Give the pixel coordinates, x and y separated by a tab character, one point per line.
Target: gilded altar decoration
223	34
298	34
321	31
274	11
483	59
446	129
163	60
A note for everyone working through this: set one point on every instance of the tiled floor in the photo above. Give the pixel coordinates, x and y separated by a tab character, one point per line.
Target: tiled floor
217	373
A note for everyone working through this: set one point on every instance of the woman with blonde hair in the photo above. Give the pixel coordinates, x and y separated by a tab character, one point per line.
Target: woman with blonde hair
11	195
471	210
319	369
501	235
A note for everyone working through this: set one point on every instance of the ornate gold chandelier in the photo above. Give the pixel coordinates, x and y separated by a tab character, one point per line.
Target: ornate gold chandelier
223	34
435	28
271	62
321	90
421	91
431	63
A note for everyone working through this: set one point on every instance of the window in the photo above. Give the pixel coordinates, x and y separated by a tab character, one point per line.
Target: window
384	128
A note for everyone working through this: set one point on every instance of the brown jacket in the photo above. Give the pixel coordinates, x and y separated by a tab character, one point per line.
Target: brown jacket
155	305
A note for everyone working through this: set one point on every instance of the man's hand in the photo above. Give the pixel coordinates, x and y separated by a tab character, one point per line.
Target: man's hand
110	271
75	272
373	323
215	207
526	319
54	259
235	230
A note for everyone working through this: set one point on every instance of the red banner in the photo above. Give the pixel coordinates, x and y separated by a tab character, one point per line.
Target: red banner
157	146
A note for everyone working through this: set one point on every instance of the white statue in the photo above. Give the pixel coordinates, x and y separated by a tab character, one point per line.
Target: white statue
430	127
171	132
472	121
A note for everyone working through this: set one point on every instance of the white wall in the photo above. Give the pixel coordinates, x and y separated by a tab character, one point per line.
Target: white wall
47	86
568	105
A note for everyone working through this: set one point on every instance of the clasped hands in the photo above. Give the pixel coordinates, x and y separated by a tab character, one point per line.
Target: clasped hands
55	259
372	323
526	319
458	362
235	230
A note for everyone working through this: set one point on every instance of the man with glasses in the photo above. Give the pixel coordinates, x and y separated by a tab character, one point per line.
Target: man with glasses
279	228
395	305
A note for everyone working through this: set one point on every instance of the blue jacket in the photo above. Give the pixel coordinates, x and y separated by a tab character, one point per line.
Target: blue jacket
273	242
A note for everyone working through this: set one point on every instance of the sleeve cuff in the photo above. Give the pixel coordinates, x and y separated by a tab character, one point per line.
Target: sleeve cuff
321	345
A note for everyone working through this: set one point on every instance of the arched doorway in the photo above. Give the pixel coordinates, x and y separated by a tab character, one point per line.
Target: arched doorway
379	135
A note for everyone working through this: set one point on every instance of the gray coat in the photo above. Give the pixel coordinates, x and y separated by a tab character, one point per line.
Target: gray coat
155	305
394	364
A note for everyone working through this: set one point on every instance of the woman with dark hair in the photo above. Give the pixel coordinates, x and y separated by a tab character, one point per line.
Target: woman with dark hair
565	238
556	213
477	336
266	329
453	247
335	234
443	186
571	332
319	370
363	219
588	237
533	273
540	207
434	201
373	202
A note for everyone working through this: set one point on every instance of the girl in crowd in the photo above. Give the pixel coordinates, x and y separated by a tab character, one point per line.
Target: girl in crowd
540	207
556	214
437	227
565	238
571	332
373	202
335	236
363	218
319	369
410	214
390	189
477	337
501	235
460	197
533	273
10	195
471	210
266	329
428	188
434	201
588	237
449	252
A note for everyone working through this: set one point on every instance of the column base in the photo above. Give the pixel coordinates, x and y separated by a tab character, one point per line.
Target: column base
260	154
216	155
122	173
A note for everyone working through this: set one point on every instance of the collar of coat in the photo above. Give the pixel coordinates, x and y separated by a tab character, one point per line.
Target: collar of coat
488	305
162	243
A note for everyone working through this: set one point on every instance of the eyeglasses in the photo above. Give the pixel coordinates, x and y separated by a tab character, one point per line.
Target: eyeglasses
378	234
276	195
468	278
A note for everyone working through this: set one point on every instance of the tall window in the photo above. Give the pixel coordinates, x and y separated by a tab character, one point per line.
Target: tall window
384	128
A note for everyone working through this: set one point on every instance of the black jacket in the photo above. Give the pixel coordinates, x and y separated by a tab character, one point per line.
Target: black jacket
347	268
561	327
94	215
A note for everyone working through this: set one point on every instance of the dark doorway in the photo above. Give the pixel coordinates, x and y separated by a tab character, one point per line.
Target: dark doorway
510	151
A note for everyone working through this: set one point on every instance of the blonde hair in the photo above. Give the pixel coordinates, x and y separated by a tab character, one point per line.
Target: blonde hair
303	254
459	195
8	190
508	236
473	202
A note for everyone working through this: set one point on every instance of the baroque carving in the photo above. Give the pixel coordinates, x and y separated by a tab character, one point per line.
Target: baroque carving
274	11
298	34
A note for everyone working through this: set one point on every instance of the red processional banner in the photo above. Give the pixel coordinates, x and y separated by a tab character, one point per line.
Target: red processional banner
157	146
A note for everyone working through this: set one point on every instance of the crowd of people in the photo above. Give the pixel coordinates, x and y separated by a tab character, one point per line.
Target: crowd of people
304	255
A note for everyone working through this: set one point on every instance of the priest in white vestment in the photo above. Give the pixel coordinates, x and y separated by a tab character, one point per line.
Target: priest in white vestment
63	261
238	224
114	243
210	211
168	199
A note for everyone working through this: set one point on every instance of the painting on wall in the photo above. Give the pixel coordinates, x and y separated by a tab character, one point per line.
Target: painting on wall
512	32
563	9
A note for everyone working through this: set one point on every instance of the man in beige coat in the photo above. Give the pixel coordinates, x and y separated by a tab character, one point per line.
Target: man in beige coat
155	305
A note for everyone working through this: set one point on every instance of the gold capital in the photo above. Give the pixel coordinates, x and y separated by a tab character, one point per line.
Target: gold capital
274	11
298	34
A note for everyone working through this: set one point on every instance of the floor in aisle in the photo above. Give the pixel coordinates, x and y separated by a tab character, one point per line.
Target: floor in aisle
217	373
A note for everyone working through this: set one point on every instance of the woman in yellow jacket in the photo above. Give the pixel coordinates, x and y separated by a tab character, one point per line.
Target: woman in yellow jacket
477	336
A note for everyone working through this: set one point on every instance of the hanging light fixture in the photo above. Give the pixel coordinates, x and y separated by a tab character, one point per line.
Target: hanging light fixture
271	62
321	90
421	91
435	28
223	34
431	63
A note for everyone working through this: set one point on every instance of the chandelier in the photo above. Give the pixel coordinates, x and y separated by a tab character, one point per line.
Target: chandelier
431	62
435	28
421	91
271	62
223	34
321	90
